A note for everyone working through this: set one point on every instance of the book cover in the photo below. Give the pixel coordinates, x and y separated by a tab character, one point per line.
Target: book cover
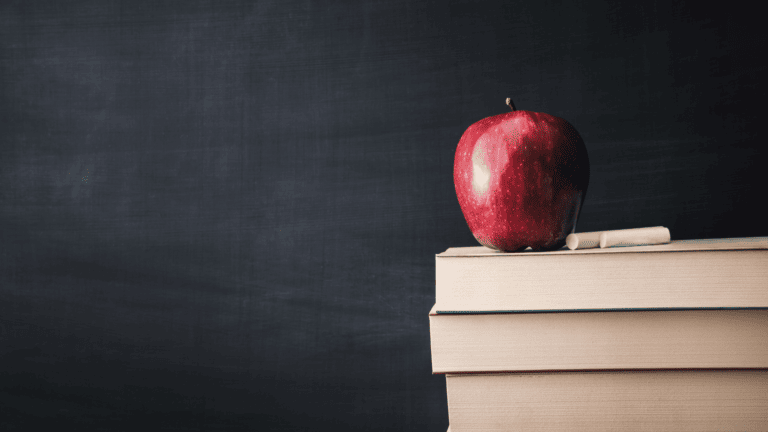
676	401
684	274
672	339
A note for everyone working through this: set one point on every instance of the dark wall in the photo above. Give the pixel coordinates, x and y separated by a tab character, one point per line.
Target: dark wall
223	215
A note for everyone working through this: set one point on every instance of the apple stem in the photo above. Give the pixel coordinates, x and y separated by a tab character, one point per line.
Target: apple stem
510	104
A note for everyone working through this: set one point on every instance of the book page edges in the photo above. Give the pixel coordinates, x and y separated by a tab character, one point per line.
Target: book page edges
684	280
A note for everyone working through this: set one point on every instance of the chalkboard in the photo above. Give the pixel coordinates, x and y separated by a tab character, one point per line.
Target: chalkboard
224	215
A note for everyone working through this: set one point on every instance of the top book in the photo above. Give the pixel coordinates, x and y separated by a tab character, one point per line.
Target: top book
684	274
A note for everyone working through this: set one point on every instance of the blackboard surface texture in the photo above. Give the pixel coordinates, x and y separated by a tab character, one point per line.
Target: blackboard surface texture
224	215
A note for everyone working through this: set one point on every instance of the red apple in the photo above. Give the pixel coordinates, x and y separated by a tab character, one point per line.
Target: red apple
521	178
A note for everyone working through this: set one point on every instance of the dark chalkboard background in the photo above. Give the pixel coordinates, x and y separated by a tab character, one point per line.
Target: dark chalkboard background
223	215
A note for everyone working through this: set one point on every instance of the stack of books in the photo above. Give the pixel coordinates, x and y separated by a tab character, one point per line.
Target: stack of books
665	337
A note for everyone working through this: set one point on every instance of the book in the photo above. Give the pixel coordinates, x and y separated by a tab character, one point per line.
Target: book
720	400
646	339
683	274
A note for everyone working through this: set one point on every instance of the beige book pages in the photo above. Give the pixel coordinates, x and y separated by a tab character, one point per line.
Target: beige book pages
675	401
724	273
599	340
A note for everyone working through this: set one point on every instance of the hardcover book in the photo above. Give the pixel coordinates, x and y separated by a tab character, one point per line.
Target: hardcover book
683	274
678	401
647	339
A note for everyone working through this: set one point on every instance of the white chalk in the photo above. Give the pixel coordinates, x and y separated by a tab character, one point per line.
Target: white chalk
635	237
583	240
626	237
